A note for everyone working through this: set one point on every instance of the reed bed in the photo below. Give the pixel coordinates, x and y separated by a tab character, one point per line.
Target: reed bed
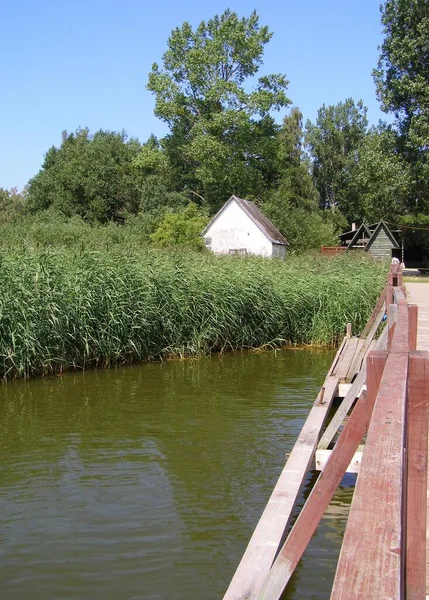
63	308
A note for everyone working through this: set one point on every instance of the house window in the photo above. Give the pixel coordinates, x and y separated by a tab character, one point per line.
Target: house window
238	251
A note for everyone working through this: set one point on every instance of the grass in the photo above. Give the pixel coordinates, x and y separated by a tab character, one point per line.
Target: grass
65	307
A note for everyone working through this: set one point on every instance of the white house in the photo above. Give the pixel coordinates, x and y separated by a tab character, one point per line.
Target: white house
240	227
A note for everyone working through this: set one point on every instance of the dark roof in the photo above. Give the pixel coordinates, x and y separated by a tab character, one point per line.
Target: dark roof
257	216
382	225
360	234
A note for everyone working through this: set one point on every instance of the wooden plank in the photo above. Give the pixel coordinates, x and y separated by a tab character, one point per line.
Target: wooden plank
349	399
358	359
417	446
325	486
345	359
380	304
342	410
337	356
322	457
356	362
343	388
413	310
371	563
265	541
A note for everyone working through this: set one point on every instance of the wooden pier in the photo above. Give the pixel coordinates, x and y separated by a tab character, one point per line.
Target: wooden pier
380	431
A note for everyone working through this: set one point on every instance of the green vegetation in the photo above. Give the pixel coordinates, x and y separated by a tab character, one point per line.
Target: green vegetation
63	308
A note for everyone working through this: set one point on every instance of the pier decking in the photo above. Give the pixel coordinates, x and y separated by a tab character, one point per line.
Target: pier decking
384	386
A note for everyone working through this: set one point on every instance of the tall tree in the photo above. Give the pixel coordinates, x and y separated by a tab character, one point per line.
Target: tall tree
402	80
88	175
293	205
333	143
222	136
382	178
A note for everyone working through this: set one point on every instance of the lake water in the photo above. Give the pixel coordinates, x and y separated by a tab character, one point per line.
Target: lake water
146	482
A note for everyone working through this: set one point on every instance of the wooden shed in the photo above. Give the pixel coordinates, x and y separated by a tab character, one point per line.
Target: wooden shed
382	242
378	240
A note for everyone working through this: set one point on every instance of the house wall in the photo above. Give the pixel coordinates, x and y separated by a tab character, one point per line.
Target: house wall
381	247
234	230
279	251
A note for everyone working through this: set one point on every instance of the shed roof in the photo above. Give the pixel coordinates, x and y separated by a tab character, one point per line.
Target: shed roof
382	225
360	231
257	216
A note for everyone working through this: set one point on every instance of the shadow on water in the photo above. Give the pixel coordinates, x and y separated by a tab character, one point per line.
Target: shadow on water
147	481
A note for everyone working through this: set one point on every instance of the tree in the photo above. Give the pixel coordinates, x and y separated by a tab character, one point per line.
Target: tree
182	229
402	80
382	178
88	175
12	204
333	143
222	137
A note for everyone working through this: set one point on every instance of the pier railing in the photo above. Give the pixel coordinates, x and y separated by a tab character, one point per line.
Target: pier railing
385	404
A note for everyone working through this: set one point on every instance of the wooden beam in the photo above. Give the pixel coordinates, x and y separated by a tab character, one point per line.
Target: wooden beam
324	488
365	347
266	539
417	446
346	359
371	563
322	457
349	399
380	304
412	326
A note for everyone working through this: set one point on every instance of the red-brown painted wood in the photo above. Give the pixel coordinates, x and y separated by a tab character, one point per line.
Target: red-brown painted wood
412	326
417	445
372	560
328	481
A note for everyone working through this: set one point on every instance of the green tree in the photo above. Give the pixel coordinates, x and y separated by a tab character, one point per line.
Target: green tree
155	175
333	143
12	204
402	80
182	229
382	178
222	136
294	205
88	175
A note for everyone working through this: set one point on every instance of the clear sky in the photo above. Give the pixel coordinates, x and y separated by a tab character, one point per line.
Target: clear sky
66	64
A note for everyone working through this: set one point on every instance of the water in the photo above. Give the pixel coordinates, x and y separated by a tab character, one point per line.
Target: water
146	482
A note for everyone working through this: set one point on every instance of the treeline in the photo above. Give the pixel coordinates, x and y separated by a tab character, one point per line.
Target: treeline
223	139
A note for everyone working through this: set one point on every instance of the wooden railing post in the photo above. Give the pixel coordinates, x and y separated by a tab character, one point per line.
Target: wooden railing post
392	314
412	326
416	498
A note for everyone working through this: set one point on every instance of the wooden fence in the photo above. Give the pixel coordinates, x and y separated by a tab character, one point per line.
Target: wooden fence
383	555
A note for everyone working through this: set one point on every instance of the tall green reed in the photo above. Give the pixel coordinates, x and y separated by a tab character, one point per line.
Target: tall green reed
68	308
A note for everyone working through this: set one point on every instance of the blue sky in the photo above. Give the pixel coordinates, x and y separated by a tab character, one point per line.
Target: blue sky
84	63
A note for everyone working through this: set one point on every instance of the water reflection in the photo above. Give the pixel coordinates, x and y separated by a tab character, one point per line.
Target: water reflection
146	482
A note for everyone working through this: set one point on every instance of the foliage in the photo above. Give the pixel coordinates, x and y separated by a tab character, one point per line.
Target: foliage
415	231
12	204
222	136
402	79
304	225
89	175
382	178
64	309
333	143
182	229
50	229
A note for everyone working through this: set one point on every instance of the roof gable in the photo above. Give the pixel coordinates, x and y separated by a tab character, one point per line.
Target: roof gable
382	225
361	230
255	215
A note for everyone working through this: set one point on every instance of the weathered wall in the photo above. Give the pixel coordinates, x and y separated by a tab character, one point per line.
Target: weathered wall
381	246
234	230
